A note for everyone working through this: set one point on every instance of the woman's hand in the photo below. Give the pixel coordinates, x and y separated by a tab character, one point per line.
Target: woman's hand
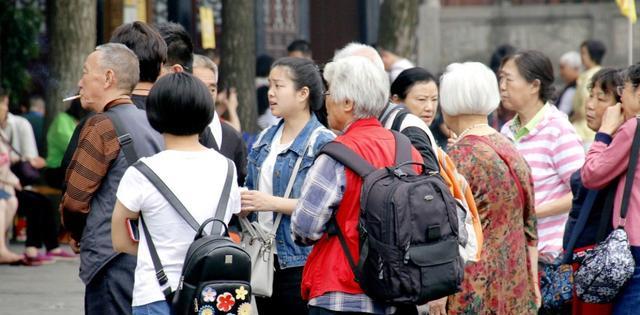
612	119
253	200
438	307
37	162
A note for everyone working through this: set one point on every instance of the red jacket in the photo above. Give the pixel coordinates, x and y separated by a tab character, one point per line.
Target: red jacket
327	268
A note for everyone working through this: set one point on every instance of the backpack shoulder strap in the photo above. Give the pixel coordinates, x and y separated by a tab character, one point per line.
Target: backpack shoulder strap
124	138
631	171
397	121
347	157
403	147
164	190
224	200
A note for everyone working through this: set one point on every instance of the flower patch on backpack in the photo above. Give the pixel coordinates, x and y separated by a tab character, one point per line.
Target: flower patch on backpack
241	293
225	302
207	310
244	309
209	294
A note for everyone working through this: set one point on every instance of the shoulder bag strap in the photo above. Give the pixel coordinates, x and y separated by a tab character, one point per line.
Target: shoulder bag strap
585	210
631	172
161	276
124	138
292	179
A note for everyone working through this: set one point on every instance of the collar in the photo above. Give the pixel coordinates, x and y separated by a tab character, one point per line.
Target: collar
520	131
365	122
116	102
300	142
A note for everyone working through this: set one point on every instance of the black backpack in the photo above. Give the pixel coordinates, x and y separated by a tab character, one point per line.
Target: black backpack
217	272
408	230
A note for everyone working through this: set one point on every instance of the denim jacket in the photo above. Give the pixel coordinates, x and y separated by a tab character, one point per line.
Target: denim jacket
289	254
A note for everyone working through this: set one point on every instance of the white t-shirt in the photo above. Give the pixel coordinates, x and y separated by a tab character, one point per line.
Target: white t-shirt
197	179
265	185
411	120
216	128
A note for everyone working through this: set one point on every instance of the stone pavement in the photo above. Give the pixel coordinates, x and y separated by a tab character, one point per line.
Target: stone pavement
52	289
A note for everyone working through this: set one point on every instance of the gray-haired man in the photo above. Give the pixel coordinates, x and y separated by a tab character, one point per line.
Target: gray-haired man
109	75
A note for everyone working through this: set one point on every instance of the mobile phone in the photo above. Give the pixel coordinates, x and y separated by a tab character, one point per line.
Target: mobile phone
132	228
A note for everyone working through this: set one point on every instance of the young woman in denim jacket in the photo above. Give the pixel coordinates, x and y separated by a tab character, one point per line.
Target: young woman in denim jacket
295	92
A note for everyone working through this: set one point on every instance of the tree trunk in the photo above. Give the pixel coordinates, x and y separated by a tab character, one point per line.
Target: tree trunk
238	57
397	30
72	35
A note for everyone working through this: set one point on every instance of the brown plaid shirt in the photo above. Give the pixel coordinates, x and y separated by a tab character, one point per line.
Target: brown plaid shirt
98	147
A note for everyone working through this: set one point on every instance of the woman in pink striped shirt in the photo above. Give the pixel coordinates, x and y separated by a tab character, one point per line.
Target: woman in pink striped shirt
546	139
607	161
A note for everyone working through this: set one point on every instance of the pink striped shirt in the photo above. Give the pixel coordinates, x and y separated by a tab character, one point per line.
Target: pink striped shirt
553	151
605	163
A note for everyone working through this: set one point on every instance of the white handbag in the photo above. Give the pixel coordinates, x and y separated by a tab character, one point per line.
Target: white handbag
261	244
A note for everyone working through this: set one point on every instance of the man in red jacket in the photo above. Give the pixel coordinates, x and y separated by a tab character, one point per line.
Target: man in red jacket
358	92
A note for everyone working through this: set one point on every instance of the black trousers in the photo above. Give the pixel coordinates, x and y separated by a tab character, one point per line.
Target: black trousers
286	297
110	291
42	228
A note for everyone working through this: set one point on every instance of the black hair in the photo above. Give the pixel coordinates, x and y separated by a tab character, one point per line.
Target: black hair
500	53
147	44
3	92
263	65
631	75
595	48
179	104
179	45
300	45
408	78
304	73
534	65
607	79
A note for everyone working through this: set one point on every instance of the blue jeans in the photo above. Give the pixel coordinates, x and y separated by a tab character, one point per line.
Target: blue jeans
628	301
155	308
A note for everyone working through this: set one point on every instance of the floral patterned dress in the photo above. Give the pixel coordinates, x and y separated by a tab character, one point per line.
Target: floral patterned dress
501	282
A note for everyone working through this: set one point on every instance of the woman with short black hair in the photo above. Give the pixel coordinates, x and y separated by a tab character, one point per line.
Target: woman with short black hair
180	107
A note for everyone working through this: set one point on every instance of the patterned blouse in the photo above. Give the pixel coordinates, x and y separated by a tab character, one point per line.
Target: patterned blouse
501	282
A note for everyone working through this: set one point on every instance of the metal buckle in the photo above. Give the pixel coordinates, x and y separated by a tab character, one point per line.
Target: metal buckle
125	139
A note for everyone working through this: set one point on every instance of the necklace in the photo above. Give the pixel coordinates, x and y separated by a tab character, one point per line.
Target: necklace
464	132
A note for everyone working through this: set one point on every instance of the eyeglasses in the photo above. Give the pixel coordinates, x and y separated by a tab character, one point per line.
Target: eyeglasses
326	93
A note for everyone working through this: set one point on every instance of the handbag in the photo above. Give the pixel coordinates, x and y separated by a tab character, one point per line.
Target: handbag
556	279
260	245
608	267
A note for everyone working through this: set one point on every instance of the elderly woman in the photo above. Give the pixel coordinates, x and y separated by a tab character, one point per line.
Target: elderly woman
545	138
357	94
607	162
504	281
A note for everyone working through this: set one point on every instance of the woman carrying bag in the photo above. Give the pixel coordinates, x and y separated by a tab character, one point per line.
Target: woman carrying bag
608	161
295	92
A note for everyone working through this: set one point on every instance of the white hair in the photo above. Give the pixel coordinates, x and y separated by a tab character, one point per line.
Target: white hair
200	61
357	79
362	50
571	59
123	62
469	88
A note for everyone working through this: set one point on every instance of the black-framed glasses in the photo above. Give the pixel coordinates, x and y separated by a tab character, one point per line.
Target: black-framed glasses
326	93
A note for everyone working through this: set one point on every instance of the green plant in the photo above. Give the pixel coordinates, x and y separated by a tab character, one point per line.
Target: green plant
19	29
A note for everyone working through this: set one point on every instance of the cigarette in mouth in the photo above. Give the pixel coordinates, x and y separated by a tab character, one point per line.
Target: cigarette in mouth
70	98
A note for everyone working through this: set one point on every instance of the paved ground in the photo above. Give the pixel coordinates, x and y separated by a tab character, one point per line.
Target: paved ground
53	289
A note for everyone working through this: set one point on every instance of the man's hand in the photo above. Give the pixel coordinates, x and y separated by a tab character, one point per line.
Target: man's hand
75	246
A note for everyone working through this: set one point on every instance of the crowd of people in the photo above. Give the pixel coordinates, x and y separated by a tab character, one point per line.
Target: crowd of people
509	148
